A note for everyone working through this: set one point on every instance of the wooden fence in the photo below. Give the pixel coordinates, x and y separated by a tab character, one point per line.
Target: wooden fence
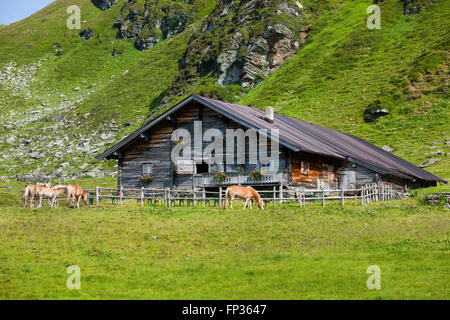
276	195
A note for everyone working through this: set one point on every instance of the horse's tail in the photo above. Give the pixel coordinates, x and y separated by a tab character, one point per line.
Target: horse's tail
227	192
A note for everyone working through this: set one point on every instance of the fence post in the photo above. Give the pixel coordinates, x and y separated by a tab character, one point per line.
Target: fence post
97	194
204	197
304	197
121	195
323	197
342	196
362	195
194	199
220	196
281	193
274	195
299	198
168	198
142	196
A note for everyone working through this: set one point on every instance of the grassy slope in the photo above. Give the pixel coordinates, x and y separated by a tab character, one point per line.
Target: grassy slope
345	67
187	253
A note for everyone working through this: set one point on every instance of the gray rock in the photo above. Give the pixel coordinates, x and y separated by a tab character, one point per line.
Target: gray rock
36	155
412	6
104	4
84	166
87	34
388	149
173	24
429	162
145	43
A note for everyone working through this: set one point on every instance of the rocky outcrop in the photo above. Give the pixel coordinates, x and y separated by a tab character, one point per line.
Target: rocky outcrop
87	34
104	4
374	111
429	162
265	54
415	6
152	22
238	45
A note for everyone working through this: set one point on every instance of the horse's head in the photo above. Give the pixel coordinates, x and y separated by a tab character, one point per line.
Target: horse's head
84	197
261	204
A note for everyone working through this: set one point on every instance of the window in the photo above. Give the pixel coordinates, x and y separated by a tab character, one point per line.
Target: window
202	167
304	167
147	168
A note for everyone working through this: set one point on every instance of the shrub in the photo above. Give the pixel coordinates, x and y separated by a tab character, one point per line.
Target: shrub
257	174
220	177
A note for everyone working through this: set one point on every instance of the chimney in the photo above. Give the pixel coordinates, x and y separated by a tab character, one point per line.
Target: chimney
269	114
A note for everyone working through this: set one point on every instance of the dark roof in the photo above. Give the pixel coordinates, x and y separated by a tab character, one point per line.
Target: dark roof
299	135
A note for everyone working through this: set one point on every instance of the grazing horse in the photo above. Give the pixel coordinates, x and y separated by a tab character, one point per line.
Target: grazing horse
75	193
51	194
247	193
30	192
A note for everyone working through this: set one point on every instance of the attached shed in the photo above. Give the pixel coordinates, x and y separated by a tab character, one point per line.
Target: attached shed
309	155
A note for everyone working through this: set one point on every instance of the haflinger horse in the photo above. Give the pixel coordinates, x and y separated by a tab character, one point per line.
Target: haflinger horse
51	194
30	192
247	193
75	193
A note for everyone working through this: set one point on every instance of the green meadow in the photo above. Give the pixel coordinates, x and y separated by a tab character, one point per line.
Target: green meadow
285	252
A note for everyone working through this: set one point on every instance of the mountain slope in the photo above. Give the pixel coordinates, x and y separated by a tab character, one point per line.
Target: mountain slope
64	99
